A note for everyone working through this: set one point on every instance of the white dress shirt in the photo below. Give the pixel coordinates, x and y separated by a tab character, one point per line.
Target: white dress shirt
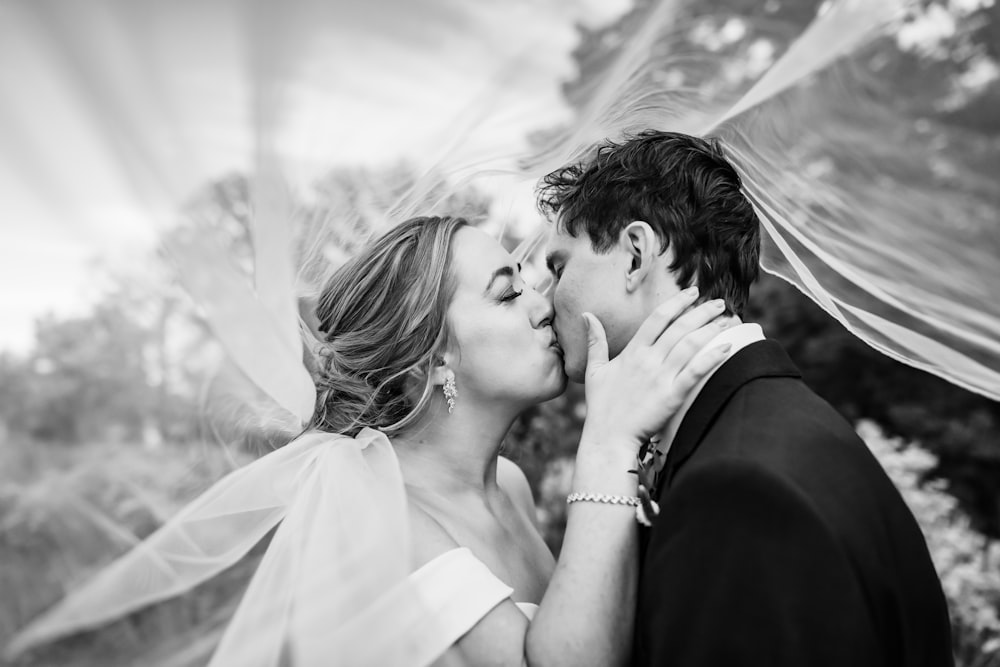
739	336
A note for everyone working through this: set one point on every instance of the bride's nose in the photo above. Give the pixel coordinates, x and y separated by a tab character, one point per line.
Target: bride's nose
541	309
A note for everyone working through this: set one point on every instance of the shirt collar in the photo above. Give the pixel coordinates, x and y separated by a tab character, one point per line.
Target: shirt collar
739	337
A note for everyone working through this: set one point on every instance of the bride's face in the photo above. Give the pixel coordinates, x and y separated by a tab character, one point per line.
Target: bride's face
505	347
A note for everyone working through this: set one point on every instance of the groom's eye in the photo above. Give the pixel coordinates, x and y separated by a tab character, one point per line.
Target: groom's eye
554	264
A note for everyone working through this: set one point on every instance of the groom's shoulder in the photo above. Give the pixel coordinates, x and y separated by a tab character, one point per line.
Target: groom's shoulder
790	433
776	408
761	410
762	387
781	424
783	418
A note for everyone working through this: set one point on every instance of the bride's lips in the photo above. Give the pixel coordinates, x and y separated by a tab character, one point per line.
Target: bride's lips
554	341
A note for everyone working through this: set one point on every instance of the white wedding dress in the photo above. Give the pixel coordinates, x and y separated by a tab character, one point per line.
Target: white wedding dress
334	586
481	590
458	590
455	591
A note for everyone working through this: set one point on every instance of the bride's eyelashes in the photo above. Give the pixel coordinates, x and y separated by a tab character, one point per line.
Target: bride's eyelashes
510	295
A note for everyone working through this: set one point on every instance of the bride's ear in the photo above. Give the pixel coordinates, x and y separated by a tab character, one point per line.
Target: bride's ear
440	369
641	244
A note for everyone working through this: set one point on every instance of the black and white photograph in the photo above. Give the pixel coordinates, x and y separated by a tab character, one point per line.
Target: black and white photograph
531	333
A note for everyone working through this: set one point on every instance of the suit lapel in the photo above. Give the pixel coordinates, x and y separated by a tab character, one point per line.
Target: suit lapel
761	359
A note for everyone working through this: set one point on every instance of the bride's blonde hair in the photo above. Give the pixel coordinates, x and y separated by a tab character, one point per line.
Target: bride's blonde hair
383	320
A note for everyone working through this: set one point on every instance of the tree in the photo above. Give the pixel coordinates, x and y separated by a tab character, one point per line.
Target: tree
967	561
90	377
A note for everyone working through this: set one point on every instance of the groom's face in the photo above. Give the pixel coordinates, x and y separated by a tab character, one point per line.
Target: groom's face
587	281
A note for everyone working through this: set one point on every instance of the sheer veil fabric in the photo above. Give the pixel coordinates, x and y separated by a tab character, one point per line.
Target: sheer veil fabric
858	240
860	250
334	579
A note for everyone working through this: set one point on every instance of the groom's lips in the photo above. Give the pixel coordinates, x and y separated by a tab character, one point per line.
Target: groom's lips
555	343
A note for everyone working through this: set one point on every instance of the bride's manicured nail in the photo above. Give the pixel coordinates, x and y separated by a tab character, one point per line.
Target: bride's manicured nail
718	304
691	291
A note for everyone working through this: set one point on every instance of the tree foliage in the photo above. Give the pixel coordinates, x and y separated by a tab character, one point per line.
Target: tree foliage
107	374
967	561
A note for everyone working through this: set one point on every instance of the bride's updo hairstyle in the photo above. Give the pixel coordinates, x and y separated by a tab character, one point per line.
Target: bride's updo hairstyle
383	320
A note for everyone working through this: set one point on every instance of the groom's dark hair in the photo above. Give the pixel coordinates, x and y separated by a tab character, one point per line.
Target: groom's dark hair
687	191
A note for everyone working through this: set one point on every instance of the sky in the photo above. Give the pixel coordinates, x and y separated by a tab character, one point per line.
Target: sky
113	111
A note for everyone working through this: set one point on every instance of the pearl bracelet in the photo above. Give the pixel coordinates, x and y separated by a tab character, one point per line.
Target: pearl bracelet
631	501
603	498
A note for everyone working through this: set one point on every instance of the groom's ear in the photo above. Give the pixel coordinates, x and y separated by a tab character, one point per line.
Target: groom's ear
640	243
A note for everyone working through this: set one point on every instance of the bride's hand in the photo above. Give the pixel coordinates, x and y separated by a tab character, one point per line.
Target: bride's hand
630	398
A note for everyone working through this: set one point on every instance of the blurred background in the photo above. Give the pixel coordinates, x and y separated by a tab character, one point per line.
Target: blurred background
115	404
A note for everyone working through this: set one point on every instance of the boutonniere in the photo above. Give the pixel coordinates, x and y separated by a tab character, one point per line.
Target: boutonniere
648	461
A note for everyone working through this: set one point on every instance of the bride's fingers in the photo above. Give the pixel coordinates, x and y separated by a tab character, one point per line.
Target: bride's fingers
597	344
701	316
662	316
699	367
683	350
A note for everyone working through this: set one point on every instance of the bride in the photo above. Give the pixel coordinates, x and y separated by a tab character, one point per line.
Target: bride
432	339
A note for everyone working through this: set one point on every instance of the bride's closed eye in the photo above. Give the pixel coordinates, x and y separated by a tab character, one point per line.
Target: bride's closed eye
510	295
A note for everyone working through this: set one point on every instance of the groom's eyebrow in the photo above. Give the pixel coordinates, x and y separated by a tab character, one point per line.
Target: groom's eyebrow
502	271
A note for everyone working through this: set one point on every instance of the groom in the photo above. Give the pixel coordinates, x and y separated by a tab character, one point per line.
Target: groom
780	541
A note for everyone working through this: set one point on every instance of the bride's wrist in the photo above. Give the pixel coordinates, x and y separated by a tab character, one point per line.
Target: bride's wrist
602	466
609	443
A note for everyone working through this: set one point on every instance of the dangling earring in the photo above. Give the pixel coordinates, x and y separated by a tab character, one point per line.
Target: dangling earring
450	391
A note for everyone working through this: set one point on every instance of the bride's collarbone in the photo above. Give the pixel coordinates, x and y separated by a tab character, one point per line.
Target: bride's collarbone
506	542
469	517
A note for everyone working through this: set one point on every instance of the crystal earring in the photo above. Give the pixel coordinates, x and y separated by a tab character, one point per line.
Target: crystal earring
450	391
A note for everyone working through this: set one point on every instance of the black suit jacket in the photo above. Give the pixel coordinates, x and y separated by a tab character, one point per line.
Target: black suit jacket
780	540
